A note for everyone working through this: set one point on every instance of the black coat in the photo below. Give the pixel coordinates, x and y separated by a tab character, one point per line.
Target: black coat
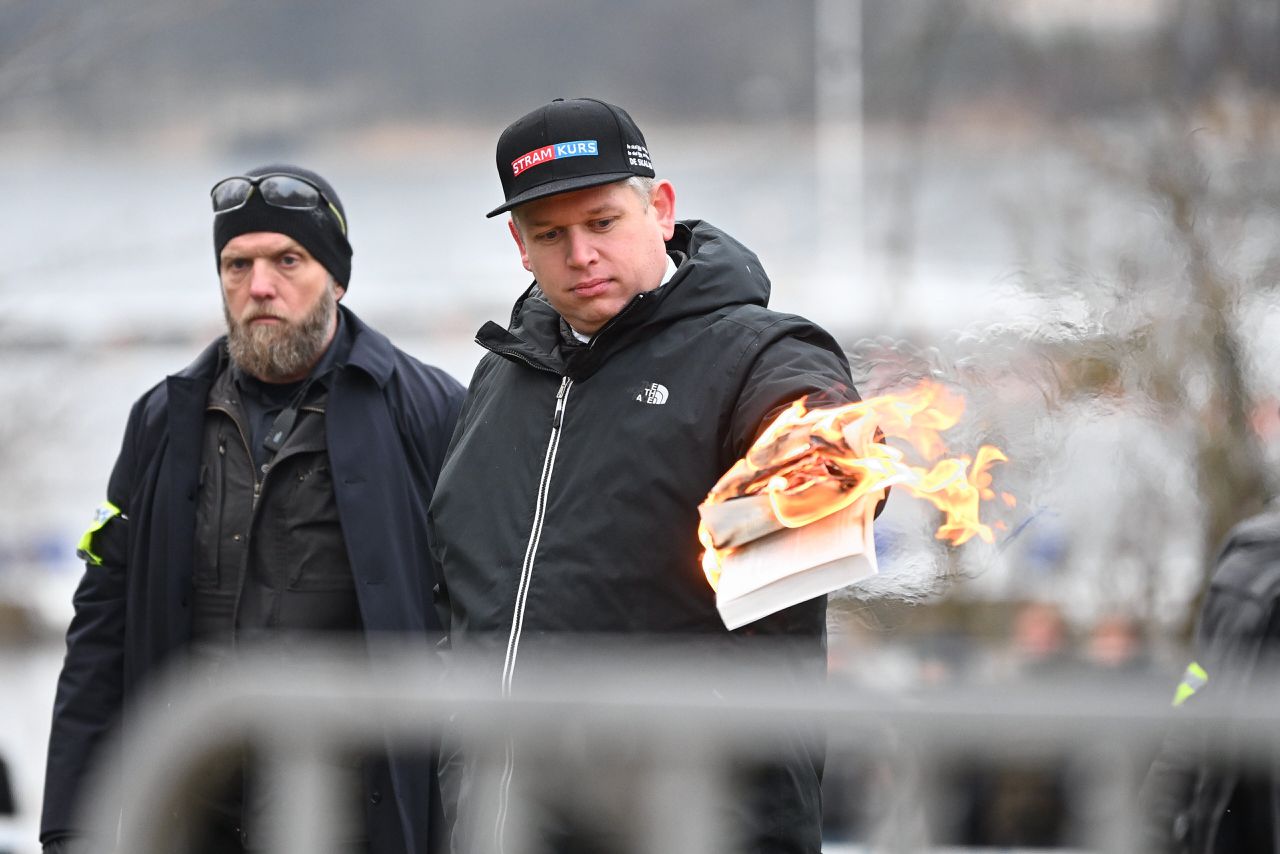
388	421
1195	800
568	502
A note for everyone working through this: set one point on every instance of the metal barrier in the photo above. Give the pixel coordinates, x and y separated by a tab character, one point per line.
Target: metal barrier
689	732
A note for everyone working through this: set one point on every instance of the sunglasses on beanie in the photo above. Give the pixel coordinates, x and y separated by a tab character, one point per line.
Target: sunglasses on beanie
278	190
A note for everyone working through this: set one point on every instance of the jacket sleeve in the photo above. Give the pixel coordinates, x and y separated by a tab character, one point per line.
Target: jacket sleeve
428	410
429	414
789	359
91	685
1232	638
1166	792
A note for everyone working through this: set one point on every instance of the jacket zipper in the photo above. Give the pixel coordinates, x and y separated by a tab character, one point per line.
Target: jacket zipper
505	351
253	513
618	318
522	594
535	535
257	483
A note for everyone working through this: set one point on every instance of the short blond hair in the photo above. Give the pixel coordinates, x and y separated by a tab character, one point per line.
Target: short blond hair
642	186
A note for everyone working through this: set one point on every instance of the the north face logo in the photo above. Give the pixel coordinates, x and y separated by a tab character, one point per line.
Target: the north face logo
653	393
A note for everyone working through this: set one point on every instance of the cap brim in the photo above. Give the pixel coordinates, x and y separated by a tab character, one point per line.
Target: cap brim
563	185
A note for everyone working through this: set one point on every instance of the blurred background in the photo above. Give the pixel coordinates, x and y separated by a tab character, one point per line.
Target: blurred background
1064	209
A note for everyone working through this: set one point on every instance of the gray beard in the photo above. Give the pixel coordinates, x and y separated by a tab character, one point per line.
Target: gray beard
278	353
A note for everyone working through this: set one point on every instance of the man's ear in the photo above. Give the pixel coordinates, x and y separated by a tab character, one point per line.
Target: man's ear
339	291
515	233
664	205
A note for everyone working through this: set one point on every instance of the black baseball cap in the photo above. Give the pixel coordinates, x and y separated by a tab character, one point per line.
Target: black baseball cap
568	145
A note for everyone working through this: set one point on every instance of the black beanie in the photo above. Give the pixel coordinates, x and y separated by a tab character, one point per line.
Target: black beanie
317	229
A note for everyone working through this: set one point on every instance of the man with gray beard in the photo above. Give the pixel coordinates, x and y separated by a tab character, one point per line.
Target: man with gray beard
273	492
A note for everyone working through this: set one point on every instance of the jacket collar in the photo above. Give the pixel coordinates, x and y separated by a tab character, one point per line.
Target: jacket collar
371	351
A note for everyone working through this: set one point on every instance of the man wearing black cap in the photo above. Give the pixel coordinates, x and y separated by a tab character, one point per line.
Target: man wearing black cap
637	368
272	492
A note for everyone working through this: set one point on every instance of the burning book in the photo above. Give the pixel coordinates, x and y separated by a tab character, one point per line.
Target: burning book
793	519
785	566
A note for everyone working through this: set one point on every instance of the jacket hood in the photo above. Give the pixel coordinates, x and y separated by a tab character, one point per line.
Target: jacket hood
715	272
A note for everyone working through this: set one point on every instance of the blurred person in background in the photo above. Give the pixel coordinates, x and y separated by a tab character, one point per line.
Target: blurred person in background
1197	800
1117	646
1041	642
638	367
1018	801
273	492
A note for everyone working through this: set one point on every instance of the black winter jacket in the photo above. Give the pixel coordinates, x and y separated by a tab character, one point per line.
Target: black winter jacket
1196	801
387	425
568	501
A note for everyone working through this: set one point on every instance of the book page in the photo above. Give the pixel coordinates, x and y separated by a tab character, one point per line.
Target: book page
796	564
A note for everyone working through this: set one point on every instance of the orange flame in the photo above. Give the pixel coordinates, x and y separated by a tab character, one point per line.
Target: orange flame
815	462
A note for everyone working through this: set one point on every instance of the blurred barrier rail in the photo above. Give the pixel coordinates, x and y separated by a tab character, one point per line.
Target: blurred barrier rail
691	729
